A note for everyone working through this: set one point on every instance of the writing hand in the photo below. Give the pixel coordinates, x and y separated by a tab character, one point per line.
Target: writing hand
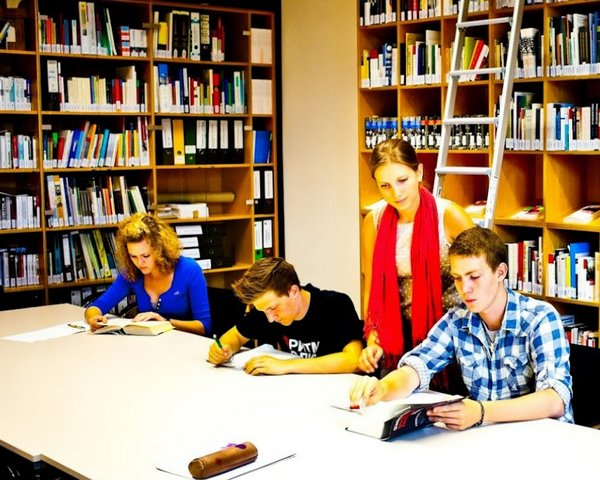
218	355
369	358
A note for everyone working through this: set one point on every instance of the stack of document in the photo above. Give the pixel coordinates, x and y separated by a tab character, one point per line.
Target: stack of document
189	210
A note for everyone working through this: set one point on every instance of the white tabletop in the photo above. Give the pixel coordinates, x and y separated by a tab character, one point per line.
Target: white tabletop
111	407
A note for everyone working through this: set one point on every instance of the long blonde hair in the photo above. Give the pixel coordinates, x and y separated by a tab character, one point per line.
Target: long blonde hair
162	238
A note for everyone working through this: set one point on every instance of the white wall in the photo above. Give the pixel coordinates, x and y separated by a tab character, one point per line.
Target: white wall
320	163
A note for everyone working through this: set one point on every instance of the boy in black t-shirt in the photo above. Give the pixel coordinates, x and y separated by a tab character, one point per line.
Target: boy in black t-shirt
320	327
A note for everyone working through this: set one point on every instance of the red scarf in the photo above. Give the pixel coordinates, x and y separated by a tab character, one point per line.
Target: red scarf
384	315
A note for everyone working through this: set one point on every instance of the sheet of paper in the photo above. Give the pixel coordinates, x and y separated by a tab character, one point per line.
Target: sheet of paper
177	464
241	358
57	331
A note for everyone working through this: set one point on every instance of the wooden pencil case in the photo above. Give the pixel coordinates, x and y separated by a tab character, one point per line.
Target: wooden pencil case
226	459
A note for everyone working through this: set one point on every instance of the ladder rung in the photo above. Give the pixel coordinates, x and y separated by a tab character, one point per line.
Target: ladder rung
464	171
483	22
469	121
478	71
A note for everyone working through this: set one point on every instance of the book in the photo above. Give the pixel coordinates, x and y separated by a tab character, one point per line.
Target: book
530	212
126	326
386	420
261	152
239	360
584	214
476	210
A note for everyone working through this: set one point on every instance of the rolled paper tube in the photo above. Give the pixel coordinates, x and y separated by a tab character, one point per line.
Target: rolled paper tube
226	459
197	197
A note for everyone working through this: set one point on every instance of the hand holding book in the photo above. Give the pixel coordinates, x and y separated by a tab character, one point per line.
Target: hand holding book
385	420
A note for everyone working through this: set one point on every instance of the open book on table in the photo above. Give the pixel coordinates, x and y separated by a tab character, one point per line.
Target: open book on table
126	326
240	359
385	420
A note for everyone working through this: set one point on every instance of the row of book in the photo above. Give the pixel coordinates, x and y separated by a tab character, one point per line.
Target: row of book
525	129
376	12
189	34
17	150
73	201
15	93
124	92
473	56
18	267
511	3
212	141
574	44
573	127
379	68
81	296
263	238
579	333
530	54
525	271
183	210
558	127
422	58
205	243
450	7
416	9
211	91
19	211
264	188
261	45
424	132
74	256
93	146
8	34
572	272
90	33
190	142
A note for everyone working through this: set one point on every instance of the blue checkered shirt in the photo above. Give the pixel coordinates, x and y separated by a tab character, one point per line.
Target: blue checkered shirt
530	352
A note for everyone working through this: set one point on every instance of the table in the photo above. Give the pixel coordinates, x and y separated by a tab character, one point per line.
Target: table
109	406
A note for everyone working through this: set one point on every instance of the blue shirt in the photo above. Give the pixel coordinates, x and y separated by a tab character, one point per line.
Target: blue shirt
530	353
186	299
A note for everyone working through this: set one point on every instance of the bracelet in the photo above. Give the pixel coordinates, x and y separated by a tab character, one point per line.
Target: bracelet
482	413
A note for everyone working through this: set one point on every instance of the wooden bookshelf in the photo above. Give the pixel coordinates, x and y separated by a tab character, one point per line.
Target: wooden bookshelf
43	40
561	181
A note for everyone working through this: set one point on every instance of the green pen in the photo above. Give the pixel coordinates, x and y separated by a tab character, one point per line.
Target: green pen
218	342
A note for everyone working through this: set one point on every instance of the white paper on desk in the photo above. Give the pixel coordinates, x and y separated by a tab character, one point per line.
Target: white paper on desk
57	331
240	359
177	464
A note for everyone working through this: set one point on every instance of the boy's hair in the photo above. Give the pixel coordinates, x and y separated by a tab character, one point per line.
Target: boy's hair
267	274
478	241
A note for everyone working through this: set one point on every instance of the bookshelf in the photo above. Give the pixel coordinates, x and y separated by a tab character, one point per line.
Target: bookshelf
536	169
115	106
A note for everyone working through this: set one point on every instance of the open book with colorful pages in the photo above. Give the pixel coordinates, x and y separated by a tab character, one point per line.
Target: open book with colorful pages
389	419
125	326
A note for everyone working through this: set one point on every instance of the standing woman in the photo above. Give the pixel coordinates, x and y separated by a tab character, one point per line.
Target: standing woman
166	285
407	284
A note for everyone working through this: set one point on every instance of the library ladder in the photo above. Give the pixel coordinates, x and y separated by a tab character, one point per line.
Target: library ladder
500	121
